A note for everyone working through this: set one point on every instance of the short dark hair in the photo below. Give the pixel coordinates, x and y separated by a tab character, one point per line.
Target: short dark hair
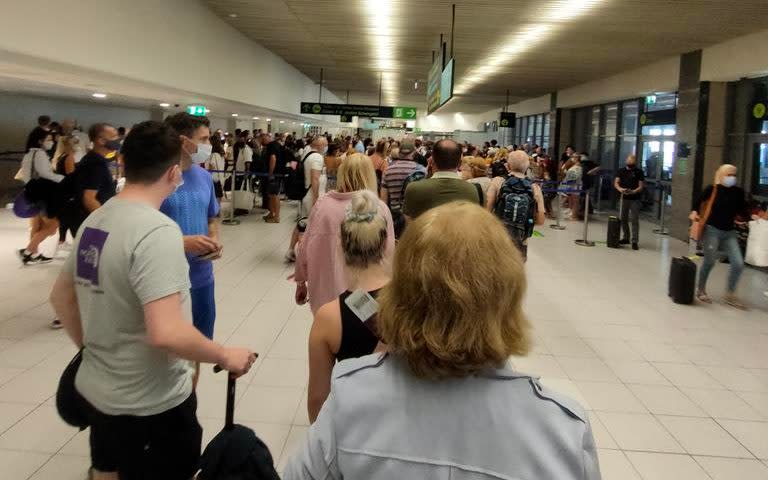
186	124
96	129
494	142
43	120
121	131
149	150
446	154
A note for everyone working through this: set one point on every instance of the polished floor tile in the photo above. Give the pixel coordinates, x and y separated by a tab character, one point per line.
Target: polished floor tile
673	392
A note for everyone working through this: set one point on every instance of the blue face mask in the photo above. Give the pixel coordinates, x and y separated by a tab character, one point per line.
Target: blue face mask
729	181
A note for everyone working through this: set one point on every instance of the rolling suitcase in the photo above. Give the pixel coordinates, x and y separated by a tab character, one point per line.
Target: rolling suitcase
236	453
614	232
682	280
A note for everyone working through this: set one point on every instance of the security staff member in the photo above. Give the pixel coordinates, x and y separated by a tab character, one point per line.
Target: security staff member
630	183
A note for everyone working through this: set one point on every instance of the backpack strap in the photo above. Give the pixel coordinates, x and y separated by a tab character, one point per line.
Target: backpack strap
480	194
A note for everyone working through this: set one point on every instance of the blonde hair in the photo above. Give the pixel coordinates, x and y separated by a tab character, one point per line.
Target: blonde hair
518	161
455	318
722	172
355	173
363	232
477	166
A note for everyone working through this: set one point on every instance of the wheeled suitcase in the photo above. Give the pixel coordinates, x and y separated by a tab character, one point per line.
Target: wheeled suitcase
682	280
236	453
614	232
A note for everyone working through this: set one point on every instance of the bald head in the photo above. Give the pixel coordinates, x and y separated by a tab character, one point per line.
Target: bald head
518	162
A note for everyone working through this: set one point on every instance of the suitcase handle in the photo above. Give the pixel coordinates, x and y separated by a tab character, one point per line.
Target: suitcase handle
229	421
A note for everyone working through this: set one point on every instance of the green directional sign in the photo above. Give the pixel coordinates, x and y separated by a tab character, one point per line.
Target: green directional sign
408	113
196	110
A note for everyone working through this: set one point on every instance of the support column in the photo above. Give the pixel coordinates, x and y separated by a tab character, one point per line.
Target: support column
692	103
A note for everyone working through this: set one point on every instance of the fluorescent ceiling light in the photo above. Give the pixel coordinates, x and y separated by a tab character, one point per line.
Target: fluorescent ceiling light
165	105
269	119
234	115
232	15
255	118
99	95
383	44
281	121
555	14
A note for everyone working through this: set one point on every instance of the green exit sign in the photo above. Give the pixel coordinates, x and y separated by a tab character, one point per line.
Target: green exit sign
408	113
196	110
650	100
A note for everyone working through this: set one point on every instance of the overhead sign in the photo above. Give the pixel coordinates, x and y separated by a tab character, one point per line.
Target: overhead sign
348	111
440	84
650	100
659	117
507	119
408	113
196	110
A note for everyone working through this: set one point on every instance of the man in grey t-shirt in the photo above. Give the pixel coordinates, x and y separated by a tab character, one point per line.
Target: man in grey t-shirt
123	296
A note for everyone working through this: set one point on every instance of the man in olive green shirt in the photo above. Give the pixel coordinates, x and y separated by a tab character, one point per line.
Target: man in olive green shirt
445	185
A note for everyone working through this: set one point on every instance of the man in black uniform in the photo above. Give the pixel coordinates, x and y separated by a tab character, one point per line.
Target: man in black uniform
630	182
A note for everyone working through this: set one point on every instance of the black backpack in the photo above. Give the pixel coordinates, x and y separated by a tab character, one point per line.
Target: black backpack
515	207
412	177
294	183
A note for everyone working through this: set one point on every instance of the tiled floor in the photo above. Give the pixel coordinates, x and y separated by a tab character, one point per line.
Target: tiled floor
674	392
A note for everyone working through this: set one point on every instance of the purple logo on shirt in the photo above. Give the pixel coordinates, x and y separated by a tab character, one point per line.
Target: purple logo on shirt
89	253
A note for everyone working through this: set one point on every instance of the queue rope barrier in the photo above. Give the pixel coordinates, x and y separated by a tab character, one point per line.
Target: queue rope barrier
662	230
244	175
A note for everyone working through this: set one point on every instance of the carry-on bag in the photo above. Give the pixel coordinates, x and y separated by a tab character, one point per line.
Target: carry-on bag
236	453
682	280
757	244
614	232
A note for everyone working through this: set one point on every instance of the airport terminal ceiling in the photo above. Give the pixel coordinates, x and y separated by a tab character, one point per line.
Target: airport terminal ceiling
530	47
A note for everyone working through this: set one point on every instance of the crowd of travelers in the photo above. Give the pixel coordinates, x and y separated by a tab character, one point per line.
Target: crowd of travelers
407	351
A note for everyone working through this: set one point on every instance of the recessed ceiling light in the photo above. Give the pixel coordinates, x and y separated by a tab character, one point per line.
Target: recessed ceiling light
269	119
165	105
232	15
234	114
281	121
255	118
99	95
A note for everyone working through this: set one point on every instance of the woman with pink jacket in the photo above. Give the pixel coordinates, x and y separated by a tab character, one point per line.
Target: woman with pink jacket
320	273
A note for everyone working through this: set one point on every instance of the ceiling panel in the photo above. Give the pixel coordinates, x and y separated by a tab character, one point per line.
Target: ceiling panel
557	45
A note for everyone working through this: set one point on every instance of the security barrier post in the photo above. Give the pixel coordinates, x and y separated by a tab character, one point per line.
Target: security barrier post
662	230
585	242
232	220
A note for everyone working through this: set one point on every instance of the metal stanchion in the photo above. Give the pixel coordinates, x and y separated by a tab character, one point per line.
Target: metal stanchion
599	202
232	220
662	230
557	225
585	242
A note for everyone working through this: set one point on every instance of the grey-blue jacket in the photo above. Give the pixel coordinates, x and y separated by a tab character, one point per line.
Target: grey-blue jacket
381	422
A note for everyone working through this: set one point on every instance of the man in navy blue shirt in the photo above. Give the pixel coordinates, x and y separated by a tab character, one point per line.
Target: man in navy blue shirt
194	208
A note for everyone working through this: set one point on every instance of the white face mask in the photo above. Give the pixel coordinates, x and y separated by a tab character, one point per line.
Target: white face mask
203	153
48	145
325	150
729	181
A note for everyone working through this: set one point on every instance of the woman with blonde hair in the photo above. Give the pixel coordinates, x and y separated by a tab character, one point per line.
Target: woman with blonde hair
475	170
319	272
340	329
443	401
718	208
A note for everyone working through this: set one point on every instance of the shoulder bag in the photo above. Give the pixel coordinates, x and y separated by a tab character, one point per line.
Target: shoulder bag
697	228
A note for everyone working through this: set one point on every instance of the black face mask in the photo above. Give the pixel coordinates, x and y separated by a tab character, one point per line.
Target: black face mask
630	166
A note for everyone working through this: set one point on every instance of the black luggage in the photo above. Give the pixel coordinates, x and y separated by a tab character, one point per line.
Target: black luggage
682	280
236	453
614	232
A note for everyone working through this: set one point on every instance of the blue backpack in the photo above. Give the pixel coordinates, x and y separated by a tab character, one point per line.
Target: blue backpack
515	207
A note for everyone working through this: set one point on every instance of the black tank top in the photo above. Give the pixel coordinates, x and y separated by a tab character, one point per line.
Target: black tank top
357	338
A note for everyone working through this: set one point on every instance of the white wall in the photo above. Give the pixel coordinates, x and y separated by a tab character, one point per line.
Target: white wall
661	76
745	56
18	115
531	106
449	122
172	43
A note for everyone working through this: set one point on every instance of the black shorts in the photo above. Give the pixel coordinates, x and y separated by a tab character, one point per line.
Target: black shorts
166	445
273	186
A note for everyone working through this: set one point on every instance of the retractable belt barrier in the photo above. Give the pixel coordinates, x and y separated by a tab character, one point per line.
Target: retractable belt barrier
662	230
232	220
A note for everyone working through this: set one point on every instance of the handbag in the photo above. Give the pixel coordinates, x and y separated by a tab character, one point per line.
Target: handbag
244	197
71	405
697	228
757	244
23	208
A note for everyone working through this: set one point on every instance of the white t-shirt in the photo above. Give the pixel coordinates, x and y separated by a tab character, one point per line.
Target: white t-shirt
313	162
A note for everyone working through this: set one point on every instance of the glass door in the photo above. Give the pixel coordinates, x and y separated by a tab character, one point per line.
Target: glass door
657	159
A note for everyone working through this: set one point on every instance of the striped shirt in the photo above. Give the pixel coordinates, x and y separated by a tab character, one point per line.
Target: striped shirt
393	180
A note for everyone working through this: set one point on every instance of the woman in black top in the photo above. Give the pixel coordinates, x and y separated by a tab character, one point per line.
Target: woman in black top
729	203
346	327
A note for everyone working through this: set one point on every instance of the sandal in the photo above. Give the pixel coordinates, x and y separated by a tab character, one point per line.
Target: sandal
734	302
703	297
